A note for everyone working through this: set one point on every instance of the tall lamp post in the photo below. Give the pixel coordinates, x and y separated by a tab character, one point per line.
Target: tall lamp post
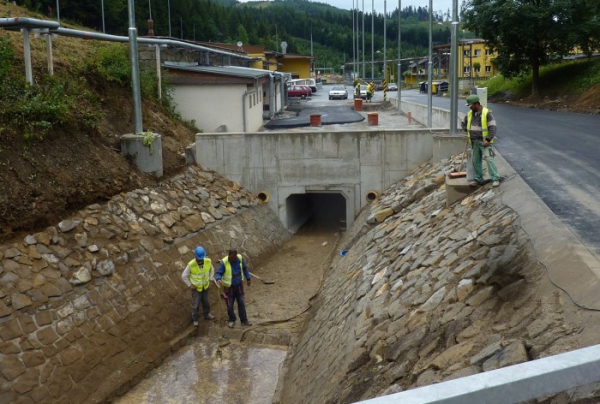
399	69
384	43
169	15
372	40
430	67
135	70
454	70
104	26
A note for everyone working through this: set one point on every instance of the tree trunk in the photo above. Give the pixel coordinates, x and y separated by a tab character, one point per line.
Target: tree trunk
535	77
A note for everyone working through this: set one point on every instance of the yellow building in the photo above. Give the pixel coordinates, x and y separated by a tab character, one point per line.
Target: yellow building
475	62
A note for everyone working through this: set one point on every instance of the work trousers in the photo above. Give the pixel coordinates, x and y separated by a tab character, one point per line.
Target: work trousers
197	298
481	153
236	293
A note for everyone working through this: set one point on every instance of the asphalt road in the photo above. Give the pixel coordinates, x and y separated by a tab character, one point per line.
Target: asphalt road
556	153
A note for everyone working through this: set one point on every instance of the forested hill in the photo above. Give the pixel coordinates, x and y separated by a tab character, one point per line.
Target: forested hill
265	23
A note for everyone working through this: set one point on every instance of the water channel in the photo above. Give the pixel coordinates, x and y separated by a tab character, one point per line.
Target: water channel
197	374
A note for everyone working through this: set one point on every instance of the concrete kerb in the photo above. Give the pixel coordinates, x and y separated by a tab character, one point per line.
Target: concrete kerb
570	265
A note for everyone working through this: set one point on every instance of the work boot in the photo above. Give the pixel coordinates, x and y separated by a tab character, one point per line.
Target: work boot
230	324
195	324
495	183
247	324
473	183
209	317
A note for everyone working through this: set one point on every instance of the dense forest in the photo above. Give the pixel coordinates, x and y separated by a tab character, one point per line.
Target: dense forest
260	23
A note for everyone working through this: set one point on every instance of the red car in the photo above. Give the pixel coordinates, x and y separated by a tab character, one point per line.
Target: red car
299	91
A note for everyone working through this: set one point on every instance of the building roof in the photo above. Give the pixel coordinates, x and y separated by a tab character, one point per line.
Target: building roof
231	71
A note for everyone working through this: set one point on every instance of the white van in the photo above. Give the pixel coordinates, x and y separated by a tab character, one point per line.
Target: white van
312	83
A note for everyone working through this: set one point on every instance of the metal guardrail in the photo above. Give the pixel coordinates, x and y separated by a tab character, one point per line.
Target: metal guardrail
509	385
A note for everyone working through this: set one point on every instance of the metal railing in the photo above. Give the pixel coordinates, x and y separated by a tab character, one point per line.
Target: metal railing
512	384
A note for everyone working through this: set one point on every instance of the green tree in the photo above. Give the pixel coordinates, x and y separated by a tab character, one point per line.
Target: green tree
528	34
242	35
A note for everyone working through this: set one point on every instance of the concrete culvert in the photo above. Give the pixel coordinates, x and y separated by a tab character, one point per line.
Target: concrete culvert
324	210
264	196
372	195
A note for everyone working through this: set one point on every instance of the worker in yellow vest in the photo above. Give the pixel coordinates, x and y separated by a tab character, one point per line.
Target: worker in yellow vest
232	272
480	125
197	275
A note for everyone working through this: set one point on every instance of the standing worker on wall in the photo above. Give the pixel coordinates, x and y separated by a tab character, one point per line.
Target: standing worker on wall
196	276
481	132
232	272
370	91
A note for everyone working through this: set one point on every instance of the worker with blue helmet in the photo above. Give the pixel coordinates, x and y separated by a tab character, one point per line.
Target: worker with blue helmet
197	276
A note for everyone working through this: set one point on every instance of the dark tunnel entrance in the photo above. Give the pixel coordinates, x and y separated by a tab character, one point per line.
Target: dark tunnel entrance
316	209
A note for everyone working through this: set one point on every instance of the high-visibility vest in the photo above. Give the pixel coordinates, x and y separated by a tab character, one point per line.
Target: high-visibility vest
484	124
200	276
227	274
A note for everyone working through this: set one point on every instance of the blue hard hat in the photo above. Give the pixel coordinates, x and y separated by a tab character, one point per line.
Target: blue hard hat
200	253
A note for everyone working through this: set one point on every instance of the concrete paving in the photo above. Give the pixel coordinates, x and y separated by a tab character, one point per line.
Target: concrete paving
340	115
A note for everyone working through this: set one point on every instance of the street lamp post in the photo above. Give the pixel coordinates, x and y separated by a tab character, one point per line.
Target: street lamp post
103	26
430	67
135	70
169	16
399	69
384	44
372	39
453	70
363	39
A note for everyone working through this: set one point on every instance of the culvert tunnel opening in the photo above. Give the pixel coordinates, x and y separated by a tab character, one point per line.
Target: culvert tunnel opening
316	210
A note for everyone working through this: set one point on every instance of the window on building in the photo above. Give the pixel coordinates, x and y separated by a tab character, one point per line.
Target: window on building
478	70
488	69
488	52
477	52
466	69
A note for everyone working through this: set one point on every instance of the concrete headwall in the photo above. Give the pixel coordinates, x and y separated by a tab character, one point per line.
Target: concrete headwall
281	164
96	301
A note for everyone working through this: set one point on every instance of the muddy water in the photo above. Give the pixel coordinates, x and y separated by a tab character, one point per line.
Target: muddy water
195	374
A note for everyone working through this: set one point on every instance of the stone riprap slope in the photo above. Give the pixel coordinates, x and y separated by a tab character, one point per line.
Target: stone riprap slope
95	302
424	294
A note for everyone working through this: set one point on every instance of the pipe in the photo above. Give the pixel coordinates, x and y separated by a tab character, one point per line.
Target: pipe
150	41
20	22
246	93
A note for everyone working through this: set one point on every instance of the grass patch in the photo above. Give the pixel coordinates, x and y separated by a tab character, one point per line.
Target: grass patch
568	77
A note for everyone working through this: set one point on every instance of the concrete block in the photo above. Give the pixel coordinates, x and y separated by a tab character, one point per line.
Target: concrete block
457	189
147	158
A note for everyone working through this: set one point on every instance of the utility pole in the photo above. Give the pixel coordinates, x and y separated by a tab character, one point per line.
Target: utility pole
399	68
384	45
454	70
135	70
169	16
372	40
430	67
363	40
353	47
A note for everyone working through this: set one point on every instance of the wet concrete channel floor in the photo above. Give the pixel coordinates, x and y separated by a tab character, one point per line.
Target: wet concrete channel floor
245	374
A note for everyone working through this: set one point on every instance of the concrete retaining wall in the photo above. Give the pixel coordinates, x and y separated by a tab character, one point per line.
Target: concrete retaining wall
282	164
97	301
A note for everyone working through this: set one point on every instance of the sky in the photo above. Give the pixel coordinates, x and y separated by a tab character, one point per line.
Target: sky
438	5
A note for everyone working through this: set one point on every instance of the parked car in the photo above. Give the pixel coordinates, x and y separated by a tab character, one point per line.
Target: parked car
338	92
299	91
392	87
379	87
